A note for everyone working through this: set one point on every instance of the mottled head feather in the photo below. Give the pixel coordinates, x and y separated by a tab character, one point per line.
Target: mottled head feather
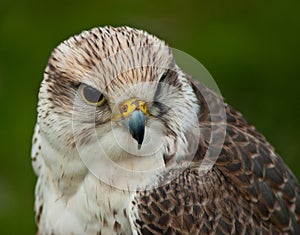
121	63
99	56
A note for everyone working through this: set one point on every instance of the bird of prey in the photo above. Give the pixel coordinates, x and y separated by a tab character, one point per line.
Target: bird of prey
128	143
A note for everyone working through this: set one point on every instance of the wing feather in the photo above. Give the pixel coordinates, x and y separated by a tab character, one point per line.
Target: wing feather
249	190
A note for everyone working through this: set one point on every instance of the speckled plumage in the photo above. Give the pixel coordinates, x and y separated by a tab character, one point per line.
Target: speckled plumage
248	189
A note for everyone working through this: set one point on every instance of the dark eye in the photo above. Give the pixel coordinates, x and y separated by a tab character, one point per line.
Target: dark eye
92	96
163	77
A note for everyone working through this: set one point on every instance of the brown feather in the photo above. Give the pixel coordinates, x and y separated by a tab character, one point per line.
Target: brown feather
249	190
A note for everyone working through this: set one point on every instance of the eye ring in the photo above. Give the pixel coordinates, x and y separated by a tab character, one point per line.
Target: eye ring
92	96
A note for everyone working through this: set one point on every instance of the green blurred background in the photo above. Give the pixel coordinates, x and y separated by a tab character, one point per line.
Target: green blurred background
251	48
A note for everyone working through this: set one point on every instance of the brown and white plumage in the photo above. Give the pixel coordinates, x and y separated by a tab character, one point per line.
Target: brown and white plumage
247	190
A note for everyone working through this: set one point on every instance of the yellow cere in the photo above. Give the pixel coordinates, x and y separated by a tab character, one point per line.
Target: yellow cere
127	107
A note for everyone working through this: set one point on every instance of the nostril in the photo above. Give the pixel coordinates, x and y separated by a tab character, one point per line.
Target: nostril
124	108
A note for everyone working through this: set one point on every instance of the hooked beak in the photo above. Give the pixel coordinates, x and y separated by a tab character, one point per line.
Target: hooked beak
137	126
132	115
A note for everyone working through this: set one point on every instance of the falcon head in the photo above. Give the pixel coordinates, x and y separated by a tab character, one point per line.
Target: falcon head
116	92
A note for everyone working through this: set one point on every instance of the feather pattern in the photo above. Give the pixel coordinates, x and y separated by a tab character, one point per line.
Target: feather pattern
247	190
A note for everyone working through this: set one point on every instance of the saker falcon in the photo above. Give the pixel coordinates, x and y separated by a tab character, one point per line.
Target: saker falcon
128	143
